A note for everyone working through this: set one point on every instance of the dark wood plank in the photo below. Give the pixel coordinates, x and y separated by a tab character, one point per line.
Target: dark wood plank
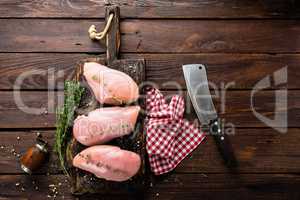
236	110
17	116
257	150
34	187
236	71
175	186
152	9
158	36
221	186
245	70
183	36
40	69
49	35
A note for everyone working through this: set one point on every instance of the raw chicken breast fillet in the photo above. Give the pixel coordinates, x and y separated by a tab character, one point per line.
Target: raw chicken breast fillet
108	162
105	124
110	86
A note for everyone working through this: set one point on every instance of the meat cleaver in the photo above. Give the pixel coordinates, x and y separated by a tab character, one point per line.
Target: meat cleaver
198	90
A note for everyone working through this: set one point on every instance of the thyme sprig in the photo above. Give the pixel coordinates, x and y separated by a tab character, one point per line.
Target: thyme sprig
64	118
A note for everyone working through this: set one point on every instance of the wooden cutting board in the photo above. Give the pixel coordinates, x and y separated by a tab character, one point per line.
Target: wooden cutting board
84	182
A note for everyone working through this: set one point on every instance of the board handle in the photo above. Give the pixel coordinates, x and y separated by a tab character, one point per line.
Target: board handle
113	37
111	33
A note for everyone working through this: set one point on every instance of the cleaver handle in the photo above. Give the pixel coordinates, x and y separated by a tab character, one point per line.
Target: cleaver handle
223	143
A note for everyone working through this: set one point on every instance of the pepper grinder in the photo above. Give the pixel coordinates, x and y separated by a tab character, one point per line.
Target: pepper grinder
35	156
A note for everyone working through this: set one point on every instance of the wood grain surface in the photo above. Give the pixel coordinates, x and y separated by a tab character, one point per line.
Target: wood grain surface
258	150
239	71
151	9
153	36
240	42
38	107
247	186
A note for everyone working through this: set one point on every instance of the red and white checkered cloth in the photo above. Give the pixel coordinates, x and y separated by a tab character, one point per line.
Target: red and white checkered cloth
170	138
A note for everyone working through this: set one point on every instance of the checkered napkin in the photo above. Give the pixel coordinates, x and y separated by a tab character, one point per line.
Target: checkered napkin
170	138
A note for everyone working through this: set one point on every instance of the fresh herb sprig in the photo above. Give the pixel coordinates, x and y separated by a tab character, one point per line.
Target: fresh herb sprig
64	118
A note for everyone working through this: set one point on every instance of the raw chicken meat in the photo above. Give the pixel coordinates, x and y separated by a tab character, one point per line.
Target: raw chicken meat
110	86
108	162
104	124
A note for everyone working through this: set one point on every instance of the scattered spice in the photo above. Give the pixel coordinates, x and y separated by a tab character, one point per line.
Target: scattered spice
53	192
95	78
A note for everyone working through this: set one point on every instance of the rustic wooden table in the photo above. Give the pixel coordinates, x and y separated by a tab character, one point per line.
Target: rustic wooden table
239	41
